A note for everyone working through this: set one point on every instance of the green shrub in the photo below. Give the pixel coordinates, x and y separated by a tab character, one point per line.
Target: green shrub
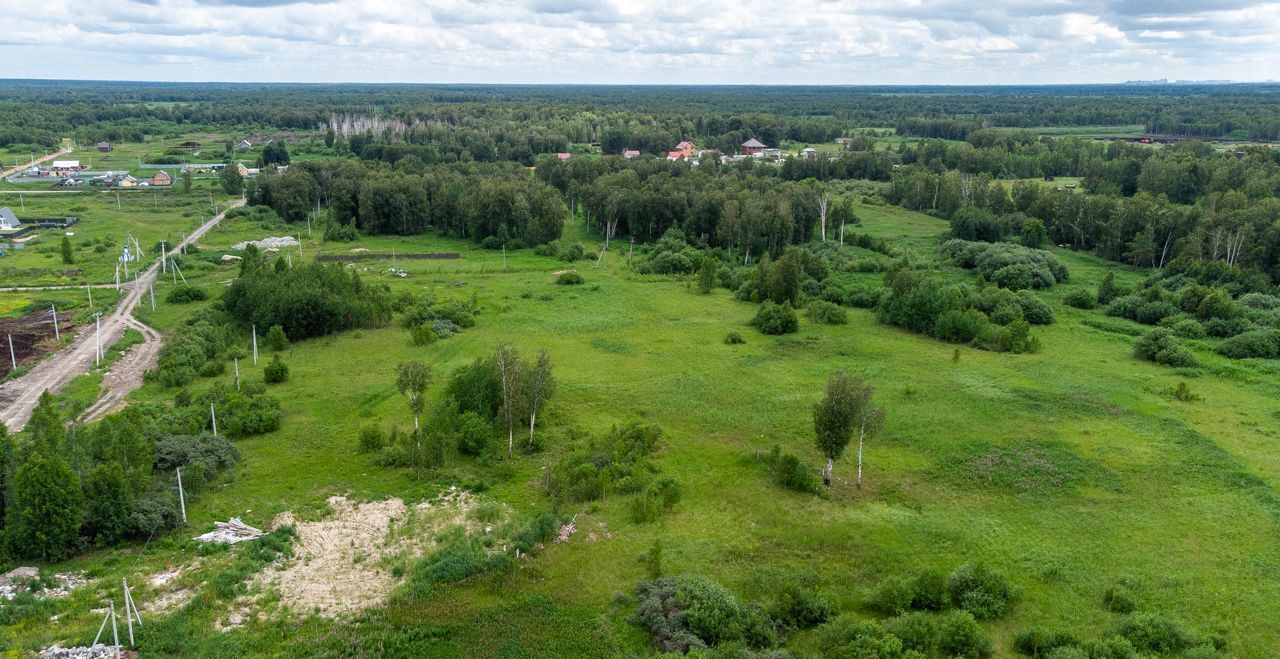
570	278
656	499
371	439
1117	598
893	596
776	319
863	297
1081	298
848	636
276	339
960	636
689	613
184	293
797	607
980	591
275	371
1188	328
1034	310
1260	344
1038	642
422	335
960	326
1156	634
1160	346
918	631
734	338
789	473
930	589
821	311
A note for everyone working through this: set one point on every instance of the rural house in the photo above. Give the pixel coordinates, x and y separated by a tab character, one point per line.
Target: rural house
752	147
630	153
65	167
127	181
162	179
104	146
189	145
245	144
8	221
686	149
563	156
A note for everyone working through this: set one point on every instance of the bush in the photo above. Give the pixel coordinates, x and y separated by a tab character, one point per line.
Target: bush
472	434
847	636
960	326
687	613
863	297
183	294
1117	598
275	371
1263	344
980	591
1188	328
733	338
790	473
1037	642
371	439
776	319
893	596
797	607
276	339
930	591
423	335
1151	313
1156	634
960	636
570	278
918	631
1161	347
821	311
1081	298
1034	310
655	500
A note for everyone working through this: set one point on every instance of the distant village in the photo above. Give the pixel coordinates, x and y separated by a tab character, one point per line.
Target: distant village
74	173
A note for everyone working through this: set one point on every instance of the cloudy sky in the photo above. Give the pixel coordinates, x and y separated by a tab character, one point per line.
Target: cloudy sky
632	41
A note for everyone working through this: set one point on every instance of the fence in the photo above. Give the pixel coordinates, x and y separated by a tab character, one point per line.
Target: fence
372	255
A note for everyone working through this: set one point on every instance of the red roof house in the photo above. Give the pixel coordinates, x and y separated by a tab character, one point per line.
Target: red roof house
752	147
563	156
687	149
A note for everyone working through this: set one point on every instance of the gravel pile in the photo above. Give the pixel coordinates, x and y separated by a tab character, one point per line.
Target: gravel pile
273	242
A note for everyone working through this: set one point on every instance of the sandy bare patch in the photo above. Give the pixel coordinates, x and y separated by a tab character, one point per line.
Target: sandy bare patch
342	563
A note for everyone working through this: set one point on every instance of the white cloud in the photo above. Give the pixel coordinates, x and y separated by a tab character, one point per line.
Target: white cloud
634	41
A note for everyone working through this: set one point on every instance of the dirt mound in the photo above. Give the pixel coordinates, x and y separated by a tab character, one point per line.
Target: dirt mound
342	563
32	337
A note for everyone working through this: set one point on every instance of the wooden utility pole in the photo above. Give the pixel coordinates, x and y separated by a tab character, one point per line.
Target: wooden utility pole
57	336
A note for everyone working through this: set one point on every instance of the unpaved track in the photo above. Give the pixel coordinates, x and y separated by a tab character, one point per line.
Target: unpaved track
126	374
12	170
18	397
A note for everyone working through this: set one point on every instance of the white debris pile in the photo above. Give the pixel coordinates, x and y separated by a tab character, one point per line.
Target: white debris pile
230	532
567	530
272	242
91	652
396	272
18	580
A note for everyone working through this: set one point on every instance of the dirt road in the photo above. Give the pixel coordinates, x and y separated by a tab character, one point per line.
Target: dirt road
18	397
12	170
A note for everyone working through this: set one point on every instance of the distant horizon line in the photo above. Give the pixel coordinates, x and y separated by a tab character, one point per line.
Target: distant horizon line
1157	82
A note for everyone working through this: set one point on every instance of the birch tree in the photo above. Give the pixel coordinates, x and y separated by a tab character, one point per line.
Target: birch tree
843	409
507	360
539	386
412	379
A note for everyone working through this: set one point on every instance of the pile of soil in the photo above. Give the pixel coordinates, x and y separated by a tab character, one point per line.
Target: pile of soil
32	337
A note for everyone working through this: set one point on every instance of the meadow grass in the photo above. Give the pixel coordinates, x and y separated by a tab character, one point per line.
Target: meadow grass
1067	470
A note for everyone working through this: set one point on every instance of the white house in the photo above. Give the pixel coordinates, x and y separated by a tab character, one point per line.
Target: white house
8	220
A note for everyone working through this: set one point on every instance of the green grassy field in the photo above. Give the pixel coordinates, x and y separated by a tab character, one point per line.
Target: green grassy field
1099	474
99	237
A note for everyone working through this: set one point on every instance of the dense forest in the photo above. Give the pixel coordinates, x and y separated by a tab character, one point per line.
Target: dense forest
651	119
